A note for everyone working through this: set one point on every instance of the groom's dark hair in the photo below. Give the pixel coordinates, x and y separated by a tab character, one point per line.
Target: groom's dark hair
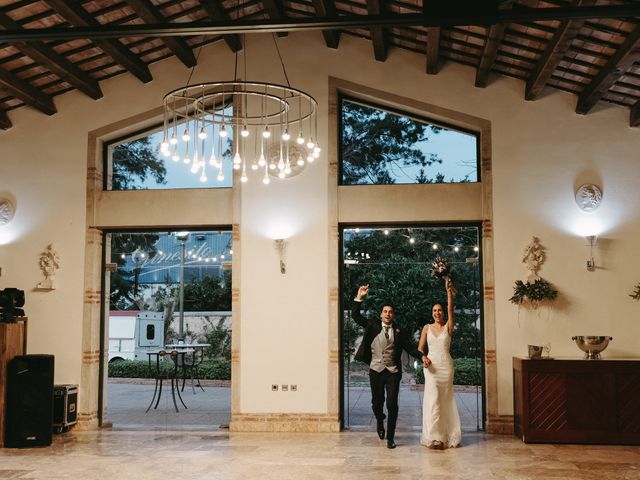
387	304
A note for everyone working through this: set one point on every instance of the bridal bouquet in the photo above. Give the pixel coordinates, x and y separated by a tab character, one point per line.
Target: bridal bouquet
440	268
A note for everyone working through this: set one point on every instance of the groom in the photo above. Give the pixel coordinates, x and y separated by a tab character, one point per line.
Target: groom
381	349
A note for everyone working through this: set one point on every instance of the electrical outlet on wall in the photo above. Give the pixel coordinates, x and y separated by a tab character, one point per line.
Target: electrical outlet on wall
274	388
285	388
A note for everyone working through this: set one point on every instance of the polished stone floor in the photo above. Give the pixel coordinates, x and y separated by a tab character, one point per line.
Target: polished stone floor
147	455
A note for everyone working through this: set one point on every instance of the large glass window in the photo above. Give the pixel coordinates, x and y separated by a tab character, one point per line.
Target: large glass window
137	163
379	146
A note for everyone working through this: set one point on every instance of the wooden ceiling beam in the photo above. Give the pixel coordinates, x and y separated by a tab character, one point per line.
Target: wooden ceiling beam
24	91
495	34
634	115
342	22
327	8
379	36
275	10
79	17
433	49
148	12
618	64
216	12
54	62
5	122
556	49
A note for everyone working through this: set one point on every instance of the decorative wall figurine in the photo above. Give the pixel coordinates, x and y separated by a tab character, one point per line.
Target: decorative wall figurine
536	289
49	264
588	197
7	211
534	257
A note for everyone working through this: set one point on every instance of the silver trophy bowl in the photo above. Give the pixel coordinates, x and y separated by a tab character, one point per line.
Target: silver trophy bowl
592	345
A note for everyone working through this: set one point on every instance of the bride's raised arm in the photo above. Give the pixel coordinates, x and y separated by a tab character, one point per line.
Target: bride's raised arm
450	317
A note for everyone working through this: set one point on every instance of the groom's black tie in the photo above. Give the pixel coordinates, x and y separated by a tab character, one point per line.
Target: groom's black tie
386	332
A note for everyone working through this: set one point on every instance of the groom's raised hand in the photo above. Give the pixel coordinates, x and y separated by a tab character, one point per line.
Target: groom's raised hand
362	292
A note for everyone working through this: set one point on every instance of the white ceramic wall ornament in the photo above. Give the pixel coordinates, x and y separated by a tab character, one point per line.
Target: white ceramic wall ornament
7	211
588	197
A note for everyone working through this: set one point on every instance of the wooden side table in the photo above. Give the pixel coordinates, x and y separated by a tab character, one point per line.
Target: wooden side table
13	342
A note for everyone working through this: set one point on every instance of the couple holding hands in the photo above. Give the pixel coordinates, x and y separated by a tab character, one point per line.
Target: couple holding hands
381	349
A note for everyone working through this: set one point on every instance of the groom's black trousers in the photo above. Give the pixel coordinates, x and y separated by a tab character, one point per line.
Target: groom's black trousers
389	382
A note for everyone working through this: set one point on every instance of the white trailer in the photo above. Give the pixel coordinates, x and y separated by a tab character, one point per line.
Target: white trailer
132	334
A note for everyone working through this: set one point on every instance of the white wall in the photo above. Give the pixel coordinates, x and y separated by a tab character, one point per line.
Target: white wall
541	152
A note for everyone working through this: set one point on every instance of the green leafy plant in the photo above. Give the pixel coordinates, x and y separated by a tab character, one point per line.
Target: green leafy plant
533	293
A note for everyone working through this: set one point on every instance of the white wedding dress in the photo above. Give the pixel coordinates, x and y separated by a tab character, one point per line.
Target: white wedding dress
440	418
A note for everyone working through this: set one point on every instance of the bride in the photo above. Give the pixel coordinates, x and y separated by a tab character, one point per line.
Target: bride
440	419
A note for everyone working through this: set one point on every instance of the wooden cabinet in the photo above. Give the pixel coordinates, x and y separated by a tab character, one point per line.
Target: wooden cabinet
13	342
577	401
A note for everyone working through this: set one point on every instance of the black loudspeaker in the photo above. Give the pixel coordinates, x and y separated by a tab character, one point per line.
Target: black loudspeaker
29	412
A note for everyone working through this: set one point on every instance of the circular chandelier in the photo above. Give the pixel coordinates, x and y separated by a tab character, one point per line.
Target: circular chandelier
263	127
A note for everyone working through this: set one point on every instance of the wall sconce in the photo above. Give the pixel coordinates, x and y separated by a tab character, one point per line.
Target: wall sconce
280	244
592	241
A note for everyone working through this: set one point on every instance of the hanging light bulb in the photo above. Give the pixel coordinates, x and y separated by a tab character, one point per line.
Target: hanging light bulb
244	178
315	154
202	135
272	166
254	166
287	169
300	138
166	152
316	149
266	133
185	136
237	159
212	161
281	175
195	165
173	140
175	157
165	144
286	136
281	164
310	143
187	158
223	131
300	161
310	158
262	161
203	177
245	131
266	180
220	176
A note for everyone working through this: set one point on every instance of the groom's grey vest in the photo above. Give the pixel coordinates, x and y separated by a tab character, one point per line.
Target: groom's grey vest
382	354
